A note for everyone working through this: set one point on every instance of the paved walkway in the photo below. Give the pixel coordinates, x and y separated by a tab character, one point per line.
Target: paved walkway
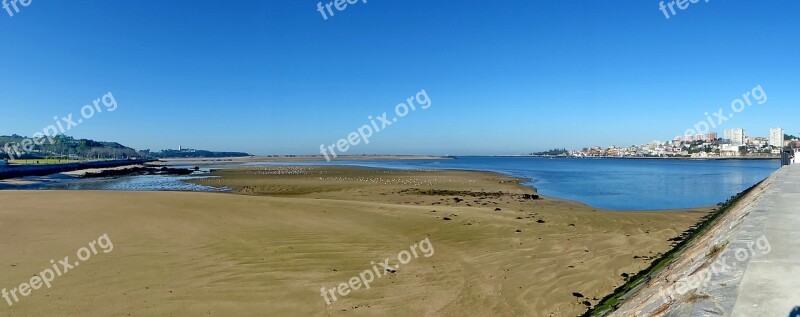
771	282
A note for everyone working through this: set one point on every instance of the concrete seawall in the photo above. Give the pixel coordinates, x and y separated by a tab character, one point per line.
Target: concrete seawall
12	171
746	264
771	282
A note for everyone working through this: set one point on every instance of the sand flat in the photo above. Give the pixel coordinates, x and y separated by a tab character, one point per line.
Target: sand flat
292	230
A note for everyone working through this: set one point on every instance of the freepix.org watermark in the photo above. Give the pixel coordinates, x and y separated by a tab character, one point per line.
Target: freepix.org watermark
368	276
13	6
671	5
46	276
720	266
340	5
719	117
60	126
366	131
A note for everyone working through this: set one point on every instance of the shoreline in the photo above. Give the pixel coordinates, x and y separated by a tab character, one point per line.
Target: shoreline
222	164
521	182
693	283
632	289
303	158
19	171
317	226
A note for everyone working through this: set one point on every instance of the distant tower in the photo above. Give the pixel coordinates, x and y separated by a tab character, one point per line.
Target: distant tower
776	137
180	148
738	136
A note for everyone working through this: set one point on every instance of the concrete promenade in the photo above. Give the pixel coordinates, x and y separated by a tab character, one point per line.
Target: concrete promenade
770	285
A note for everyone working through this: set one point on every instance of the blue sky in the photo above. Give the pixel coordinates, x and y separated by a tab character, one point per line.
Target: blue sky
504	77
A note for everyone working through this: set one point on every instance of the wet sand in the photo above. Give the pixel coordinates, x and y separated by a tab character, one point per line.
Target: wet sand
289	231
292	158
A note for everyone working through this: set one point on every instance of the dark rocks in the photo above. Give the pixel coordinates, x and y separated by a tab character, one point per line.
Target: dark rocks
466	193
139	171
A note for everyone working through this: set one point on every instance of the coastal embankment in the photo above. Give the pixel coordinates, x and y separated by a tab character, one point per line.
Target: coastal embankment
15	171
737	265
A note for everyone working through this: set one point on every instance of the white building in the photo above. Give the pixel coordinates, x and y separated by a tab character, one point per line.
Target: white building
776	137
729	150
738	136
796	157
758	142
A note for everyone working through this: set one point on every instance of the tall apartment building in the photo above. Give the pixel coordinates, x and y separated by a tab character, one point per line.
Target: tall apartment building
736	136
776	137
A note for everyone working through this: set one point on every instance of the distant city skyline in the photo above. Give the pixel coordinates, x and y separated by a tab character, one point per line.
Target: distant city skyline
275	77
719	134
735	142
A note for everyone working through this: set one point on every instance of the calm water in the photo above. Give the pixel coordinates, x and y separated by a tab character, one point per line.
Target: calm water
142	183
623	184
126	183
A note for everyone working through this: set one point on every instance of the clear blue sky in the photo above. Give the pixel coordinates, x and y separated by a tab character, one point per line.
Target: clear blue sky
504	77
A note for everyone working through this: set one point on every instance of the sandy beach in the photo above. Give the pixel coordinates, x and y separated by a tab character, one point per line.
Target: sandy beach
292	158
285	232
346	158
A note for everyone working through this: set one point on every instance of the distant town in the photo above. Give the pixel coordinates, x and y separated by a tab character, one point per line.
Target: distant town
61	148
734	143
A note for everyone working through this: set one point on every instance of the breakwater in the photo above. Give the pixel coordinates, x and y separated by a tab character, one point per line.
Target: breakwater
15	171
